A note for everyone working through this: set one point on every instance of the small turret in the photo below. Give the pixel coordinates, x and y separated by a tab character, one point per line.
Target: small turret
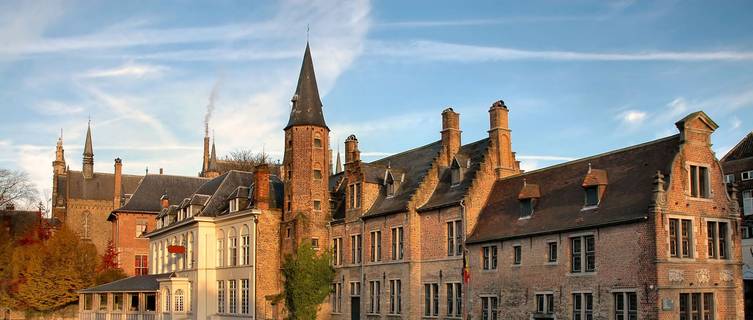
88	163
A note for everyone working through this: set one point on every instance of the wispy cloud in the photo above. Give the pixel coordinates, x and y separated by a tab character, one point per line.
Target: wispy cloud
129	69
632	117
444	51
56	108
736	123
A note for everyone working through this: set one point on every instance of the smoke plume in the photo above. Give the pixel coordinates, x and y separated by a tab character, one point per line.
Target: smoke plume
210	106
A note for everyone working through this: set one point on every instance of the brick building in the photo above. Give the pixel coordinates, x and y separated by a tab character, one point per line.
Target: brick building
738	172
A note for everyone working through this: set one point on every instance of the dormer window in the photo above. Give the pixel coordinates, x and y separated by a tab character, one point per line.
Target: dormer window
592	196
234	205
526	208
456	172
527	196
391	185
594	185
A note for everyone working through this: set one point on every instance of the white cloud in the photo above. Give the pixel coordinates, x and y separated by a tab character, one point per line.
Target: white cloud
129	69
51	107
633	117
736	123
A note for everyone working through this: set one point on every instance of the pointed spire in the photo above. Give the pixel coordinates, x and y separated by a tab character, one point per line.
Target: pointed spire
88	165
213	159
338	164
307	105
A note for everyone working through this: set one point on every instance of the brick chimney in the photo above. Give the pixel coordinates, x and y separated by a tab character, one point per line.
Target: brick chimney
499	134
164	200
118	183
352	154
261	186
450	134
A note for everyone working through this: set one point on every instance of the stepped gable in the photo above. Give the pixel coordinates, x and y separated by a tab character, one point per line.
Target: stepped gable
560	207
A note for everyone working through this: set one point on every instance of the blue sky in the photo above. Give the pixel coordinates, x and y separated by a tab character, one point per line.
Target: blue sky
579	77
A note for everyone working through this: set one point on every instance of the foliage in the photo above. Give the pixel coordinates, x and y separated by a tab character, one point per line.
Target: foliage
108	269
308	280
16	188
244	160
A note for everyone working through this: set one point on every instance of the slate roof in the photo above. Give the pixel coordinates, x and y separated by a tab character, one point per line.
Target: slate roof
307	105
414	164
100	187
627	198
445	194
337	192
145	283
228	182
743	149
147	196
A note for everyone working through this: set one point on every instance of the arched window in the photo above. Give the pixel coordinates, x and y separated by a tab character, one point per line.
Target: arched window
182	257
86	225
246	245
220	248
167	300
190	251
232	246
179	300
174	259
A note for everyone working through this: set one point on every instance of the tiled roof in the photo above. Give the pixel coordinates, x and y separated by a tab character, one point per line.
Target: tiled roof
627	198
147	196
743	149
99	187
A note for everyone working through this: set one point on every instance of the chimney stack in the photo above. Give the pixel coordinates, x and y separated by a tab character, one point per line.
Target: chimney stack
450	134
499	134
352	154
261	186
161	171
118	183
164	200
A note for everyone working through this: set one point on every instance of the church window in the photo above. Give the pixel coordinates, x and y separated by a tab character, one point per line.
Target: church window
85	225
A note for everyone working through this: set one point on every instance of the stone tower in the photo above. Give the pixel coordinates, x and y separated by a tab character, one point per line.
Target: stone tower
306	163
58	166
212	170
505	163
88	165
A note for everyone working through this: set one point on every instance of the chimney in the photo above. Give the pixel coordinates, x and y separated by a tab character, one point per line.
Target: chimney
499	136
164	200
161	171
450	134
352	154
261	186
205	160
118	183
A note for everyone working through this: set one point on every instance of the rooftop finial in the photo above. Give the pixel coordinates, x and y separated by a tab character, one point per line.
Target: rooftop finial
589	167
307	33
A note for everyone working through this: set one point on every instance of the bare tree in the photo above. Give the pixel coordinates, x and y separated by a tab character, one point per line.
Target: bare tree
244	160
16	188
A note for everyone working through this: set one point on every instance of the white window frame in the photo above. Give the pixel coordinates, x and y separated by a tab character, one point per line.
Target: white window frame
398	243
548	306
489	257
746	175
232	288
454	234
432	297
396	298
337	250
375	244
729	178
221	296
375	292
245	297
356	248
727	239
490	305
626	307
747	196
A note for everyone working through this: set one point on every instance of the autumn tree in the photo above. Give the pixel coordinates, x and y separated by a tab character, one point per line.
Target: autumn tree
307	280
16	188
108	269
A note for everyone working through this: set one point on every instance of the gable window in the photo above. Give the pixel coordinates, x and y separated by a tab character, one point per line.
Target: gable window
592	196
454	238
516	255
625	305
545	304
396	299
376	246
551	252
489	260
456	173
696	306
355	248
489	308
699	182
717	239
355	195
747	202
526	208
583	306
391	188
454	300
680	238
729	178
583	254
746	175
397	243
337	250
431	299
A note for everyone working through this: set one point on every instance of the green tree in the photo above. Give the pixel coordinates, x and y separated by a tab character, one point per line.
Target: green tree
308	280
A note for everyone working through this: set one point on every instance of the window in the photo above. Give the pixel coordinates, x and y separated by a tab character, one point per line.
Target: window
245	306
552	252
355	289
583	254
516	255
747	175
696	306
391	188
221	296
454	300
454	238
456	173
141	267
140	230
397	243
729	178
526	208
88	301
545	303
431	299
232	243
336	297
745	233
134	305
355	195
151	302
489	257
680	238
315	243
167	306
489	308
355	248
233	205
179	300
396	299
337	249
117	302
317	174
220	249
583	306
317	142
748	202
374	296
317	205
85	227
717	240
287	232
376	246
232	296
592	196
246	246
190	251
626	306
699	182
103	301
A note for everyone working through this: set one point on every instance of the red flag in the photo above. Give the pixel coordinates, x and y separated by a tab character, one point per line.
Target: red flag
466	269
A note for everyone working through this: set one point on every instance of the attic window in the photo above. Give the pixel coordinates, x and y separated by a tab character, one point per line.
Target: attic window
391	185
234	205
594	186
526	208
456	172
592	196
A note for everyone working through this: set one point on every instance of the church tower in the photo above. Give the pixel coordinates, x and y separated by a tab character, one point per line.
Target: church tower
88	165
212	170
306	164
58	166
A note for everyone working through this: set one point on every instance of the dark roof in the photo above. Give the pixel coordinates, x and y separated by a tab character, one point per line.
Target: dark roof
627	198
413	163
337	194
147	196
144	283
307	106
100	187
445	194
223	186
743	149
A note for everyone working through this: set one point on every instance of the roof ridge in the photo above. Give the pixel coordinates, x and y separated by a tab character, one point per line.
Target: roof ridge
620	150
406	151
737	145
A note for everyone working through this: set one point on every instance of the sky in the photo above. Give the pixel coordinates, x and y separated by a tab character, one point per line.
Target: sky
579	77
